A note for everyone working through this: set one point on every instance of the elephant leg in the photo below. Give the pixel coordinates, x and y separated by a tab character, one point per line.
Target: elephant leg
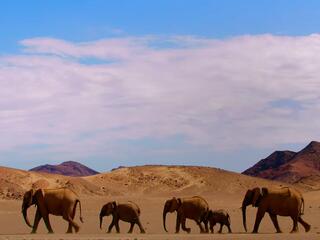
205	222
306	226
69	230
131	227
274	220
183	223
295	224
111	225
229	228
71	223
37	219
259	216
200	226
178	222
140	226
47	222
220	230
117	226
211	228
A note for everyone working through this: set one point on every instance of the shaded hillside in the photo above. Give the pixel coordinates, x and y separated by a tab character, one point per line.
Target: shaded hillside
140	181
265	167
301	167
69	168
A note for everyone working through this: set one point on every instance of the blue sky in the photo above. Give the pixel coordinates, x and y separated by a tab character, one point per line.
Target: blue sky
111	83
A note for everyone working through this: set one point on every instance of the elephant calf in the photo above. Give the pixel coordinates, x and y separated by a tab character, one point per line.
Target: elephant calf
219	216
127	212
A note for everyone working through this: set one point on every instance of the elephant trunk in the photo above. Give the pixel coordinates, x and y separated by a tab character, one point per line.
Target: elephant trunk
244	217
165	211
101	218
25	216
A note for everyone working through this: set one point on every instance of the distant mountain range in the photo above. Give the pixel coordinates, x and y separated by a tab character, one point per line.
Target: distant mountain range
291	167
69	168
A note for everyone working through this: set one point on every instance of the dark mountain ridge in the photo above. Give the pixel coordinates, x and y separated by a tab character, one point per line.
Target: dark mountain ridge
69	168
289	166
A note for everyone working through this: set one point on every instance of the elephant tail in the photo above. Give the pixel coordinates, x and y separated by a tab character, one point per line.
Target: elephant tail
302	207
78	201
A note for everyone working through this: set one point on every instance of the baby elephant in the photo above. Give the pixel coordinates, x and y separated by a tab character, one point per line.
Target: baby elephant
127	212
219	216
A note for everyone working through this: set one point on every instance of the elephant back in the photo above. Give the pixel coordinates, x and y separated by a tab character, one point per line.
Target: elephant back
202	201
135	206
195	207
283	192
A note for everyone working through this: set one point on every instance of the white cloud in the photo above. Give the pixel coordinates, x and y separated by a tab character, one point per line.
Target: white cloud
216	93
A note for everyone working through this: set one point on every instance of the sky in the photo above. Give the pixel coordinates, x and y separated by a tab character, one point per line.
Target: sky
124	83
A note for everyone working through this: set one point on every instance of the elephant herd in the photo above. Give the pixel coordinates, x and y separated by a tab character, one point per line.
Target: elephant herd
284	201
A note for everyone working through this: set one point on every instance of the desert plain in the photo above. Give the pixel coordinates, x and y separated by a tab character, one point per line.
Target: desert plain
149	187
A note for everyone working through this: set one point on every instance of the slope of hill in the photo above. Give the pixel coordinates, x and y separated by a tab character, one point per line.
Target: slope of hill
265	167
135	181
69	168
178	180
286	166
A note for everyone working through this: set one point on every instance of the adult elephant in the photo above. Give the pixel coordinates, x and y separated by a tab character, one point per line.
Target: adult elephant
284	201
59	202
195	208
127	212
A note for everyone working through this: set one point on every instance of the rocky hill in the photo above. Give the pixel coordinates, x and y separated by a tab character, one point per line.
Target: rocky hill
301	167
69	168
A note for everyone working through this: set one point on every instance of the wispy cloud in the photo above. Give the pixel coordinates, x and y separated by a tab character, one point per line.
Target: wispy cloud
218	94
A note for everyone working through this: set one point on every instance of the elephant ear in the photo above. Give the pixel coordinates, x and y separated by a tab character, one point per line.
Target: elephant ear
256	195
40	201
265	191
179	201
114	205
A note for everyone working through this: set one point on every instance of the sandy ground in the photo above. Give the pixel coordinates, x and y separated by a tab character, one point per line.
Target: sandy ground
13	226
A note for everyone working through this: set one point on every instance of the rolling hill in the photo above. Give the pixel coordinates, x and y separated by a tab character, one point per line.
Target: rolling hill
135	181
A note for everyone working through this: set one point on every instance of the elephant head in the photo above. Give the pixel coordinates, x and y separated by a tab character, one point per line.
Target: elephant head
253	197
106	210
30	198
171	205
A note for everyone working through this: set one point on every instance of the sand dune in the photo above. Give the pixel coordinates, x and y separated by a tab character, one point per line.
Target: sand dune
142	180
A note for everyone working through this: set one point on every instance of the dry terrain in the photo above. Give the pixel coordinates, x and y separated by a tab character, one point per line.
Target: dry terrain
149	186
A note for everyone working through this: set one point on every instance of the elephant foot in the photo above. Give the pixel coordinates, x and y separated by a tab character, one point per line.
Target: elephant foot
279	231
50	232
307	228
143	231
294	231
254	231
33	232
